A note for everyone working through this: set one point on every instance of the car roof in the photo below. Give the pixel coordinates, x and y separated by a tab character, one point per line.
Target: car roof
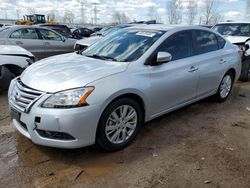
234	22
14	27
164	27
10	29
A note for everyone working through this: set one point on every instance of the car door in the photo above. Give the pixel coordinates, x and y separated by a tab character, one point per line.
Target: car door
174	83
53	42
212	58
29	39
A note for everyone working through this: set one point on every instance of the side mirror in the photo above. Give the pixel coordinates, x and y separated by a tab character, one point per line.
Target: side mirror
163	57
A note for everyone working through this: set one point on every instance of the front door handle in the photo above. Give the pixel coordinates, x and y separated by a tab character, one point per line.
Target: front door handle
19	42
193	69
47	43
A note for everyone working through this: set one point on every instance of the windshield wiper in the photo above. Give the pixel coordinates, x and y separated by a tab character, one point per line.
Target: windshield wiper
102	57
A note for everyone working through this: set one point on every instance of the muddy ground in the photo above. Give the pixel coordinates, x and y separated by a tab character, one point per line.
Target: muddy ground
203	145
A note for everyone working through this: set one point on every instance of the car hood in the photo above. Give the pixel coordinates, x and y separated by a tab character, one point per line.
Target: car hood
68	71
14	50
88	41
237	39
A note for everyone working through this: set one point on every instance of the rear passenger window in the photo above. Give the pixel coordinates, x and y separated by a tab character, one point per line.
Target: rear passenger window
178	45
206	42
221	42
24	34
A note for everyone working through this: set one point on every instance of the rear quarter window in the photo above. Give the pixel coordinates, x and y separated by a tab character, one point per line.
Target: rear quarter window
205	41
221	42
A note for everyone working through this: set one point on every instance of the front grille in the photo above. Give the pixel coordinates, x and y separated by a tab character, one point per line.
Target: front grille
22	97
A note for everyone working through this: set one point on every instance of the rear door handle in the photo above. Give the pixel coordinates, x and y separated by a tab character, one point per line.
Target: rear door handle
47	43
19	42
193	69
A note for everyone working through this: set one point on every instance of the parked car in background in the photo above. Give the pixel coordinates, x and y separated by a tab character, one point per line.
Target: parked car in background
57	27
131	76
207	26
14	60
42	42
5	25
64	30
84	43
96	29
82	32
238	33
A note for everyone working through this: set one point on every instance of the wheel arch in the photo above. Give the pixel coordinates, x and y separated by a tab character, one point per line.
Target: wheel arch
132	94
233	71
14	69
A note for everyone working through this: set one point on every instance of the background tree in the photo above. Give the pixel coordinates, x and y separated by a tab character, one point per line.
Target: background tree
153	14
174	11
192	11
51	16
119	17
30	10
210	14
68	17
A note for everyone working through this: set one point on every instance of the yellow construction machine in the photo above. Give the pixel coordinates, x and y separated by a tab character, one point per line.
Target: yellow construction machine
34	19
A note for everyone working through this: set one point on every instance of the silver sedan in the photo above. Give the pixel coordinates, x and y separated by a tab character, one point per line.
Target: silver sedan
132	76
42	42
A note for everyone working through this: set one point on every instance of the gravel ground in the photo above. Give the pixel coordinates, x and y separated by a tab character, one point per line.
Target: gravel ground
203	145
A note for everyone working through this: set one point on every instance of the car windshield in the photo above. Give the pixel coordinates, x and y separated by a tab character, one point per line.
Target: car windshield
123	45
110	30
233	29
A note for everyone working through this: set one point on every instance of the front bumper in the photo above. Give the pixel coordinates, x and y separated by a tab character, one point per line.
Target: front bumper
80	123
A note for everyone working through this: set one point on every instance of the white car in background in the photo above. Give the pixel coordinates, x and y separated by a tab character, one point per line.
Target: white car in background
14	60
238	33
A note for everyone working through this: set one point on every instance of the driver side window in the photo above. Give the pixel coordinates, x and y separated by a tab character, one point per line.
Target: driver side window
50	35
179	45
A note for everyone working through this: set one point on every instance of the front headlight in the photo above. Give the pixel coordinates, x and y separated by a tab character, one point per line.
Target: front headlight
68	99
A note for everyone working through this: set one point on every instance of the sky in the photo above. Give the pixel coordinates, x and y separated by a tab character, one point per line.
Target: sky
134	9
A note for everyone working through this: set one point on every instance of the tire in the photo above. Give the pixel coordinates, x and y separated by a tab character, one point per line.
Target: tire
225	87
245	71
111	131
5	78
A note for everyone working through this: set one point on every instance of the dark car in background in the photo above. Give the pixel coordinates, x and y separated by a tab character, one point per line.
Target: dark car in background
84	43
95	29
60	28
82	32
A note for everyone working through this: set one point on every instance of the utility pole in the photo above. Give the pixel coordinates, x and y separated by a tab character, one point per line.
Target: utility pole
82	11
95	11
247	15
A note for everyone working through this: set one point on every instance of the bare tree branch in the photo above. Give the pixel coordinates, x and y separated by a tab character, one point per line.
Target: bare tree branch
119	18
210	14
192	11
153	14
174	12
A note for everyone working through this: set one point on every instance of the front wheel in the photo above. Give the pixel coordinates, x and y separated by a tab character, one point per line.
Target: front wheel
119	124
245	71
225	87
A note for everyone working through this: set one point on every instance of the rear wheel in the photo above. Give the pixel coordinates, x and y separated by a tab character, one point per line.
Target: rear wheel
245	71
119	124
225	87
